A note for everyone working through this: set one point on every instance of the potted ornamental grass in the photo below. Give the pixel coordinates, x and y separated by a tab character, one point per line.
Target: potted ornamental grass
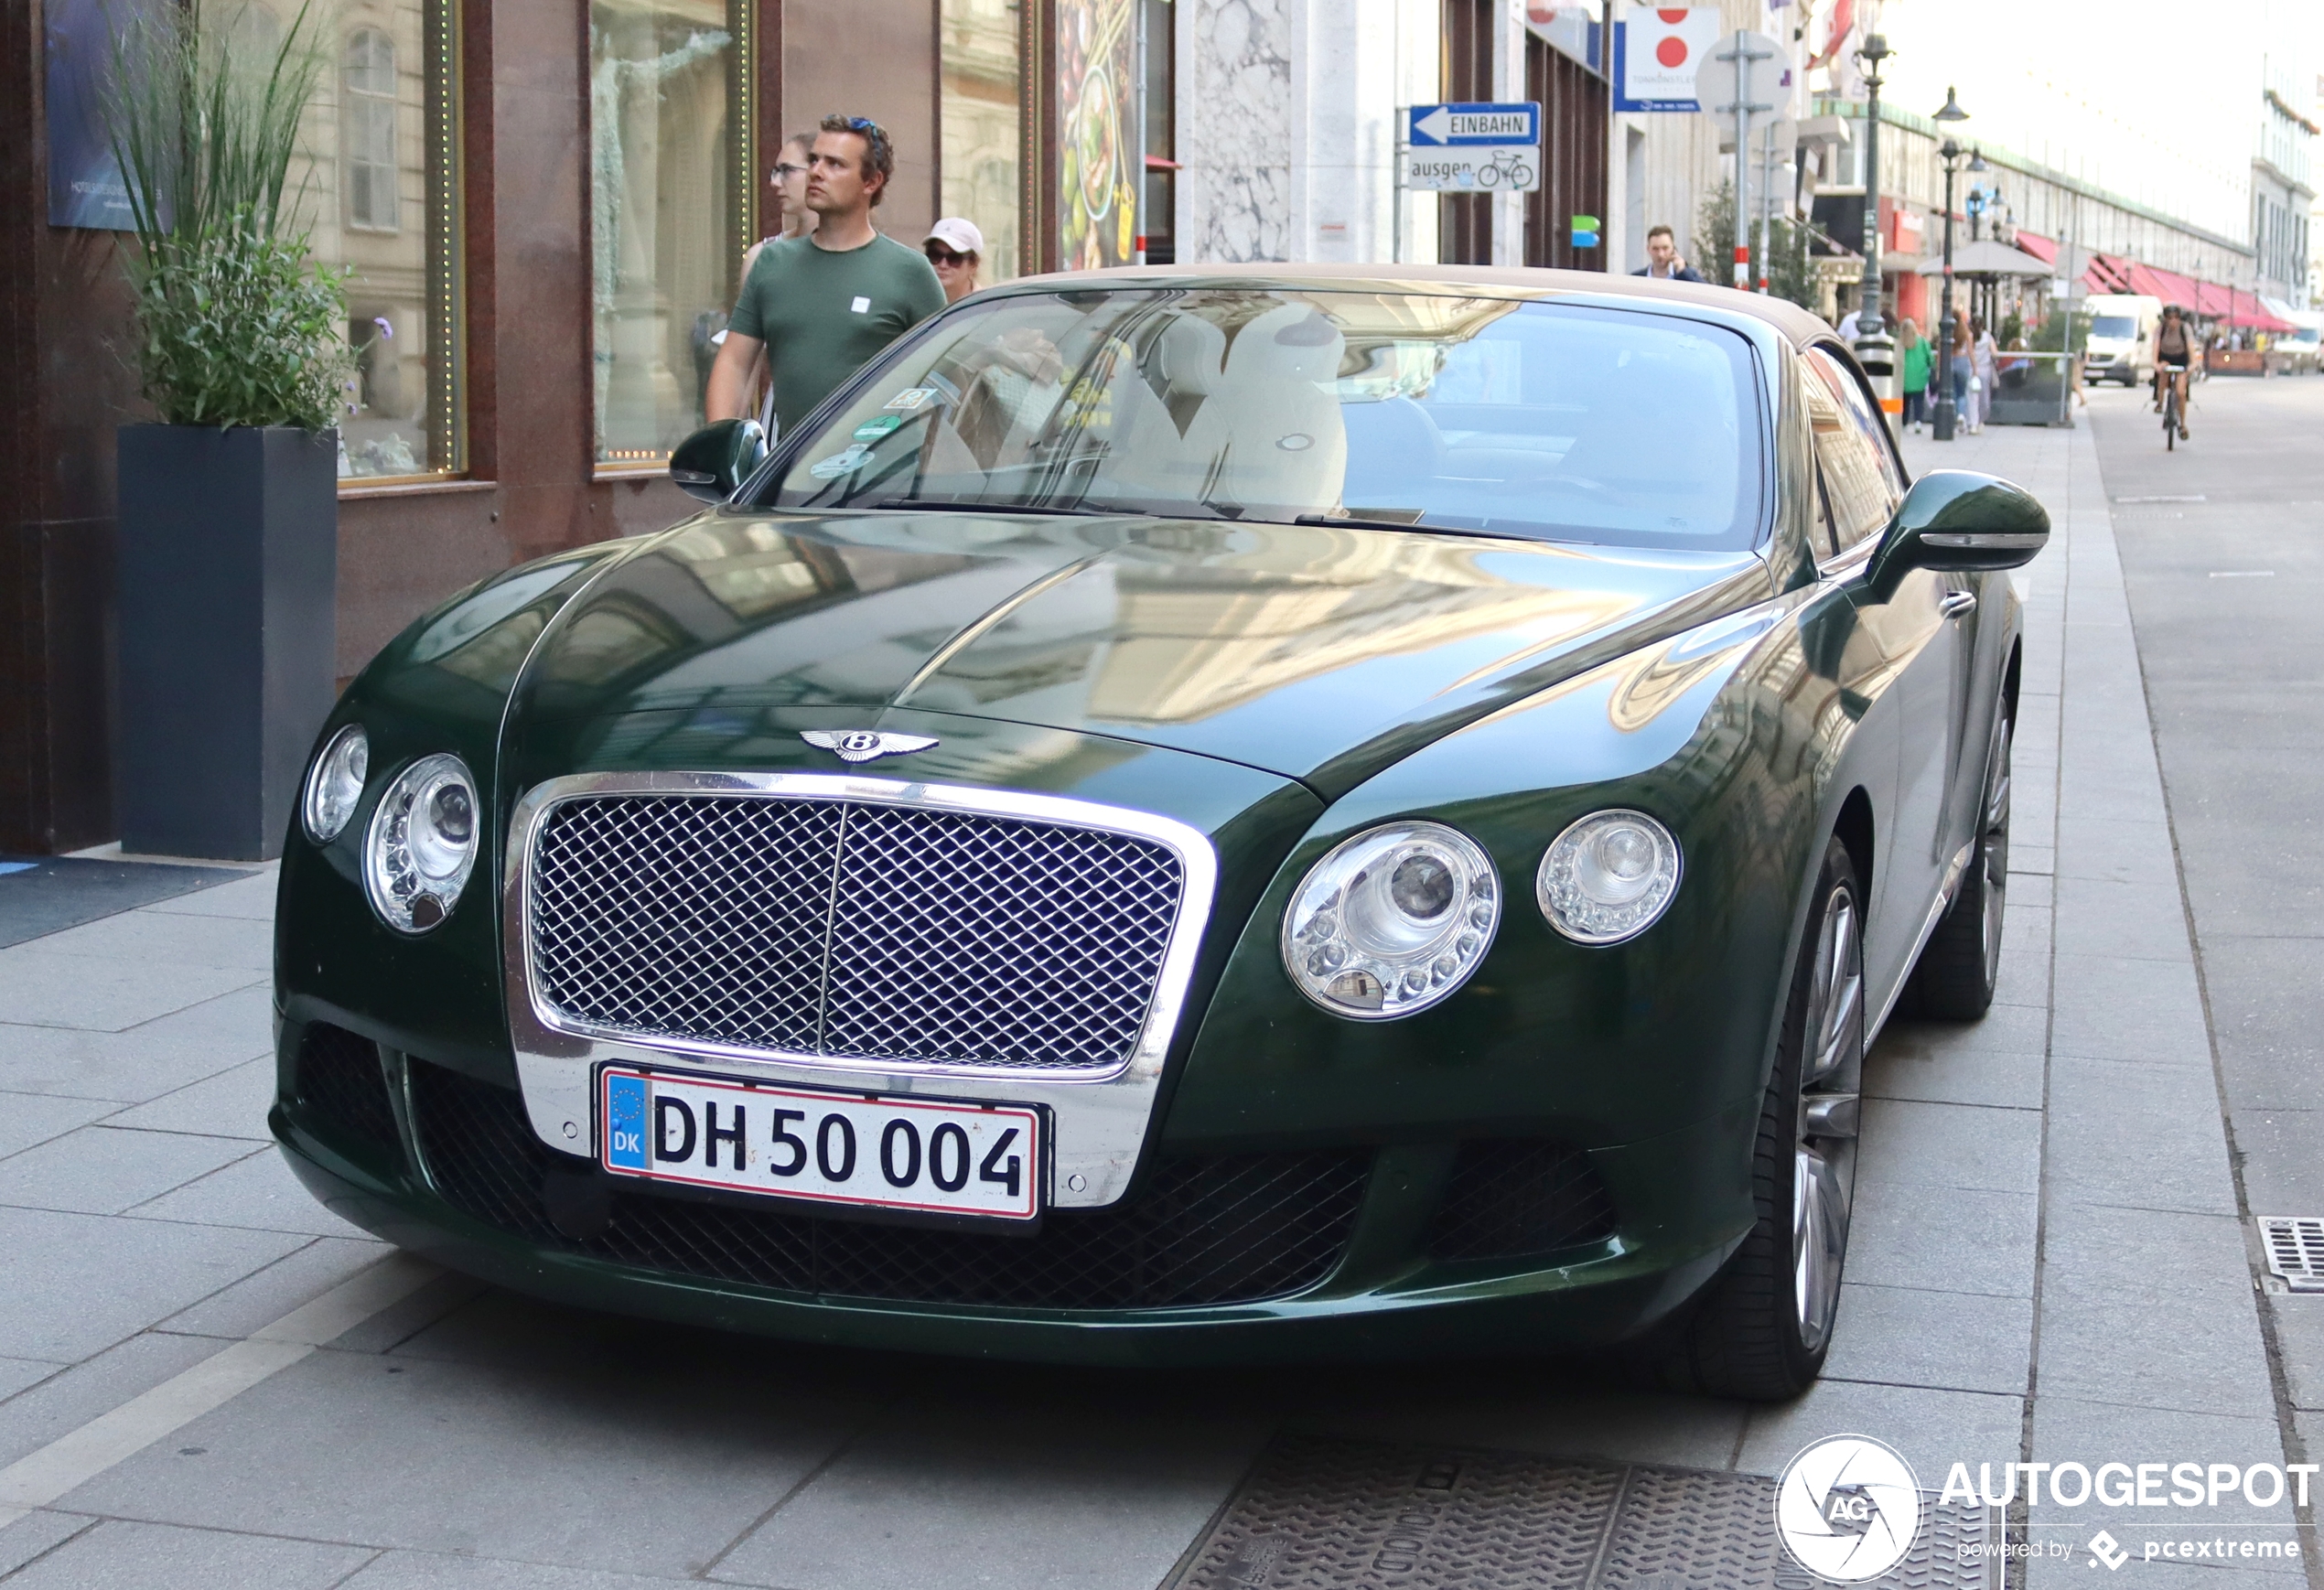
227	558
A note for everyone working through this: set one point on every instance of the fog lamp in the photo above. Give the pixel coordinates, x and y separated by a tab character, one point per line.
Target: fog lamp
1607	877
335	784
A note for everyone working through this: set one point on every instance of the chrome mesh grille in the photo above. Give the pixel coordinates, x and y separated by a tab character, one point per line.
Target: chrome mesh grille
851	930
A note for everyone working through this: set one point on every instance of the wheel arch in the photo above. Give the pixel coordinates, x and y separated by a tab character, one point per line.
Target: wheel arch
1853	828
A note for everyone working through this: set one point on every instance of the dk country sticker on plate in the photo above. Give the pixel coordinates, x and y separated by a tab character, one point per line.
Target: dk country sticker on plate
884	1152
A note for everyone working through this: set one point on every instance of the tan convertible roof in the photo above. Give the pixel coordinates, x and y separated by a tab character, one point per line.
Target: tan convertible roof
1787	317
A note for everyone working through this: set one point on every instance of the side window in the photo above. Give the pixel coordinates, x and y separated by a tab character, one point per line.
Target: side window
1860	473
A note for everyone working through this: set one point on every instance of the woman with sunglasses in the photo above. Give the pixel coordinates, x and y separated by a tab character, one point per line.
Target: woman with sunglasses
954	246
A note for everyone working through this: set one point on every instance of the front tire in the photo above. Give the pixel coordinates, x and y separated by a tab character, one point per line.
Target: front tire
1763	1329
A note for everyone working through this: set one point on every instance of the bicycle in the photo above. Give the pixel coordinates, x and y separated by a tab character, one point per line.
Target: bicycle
1505	166
2174	416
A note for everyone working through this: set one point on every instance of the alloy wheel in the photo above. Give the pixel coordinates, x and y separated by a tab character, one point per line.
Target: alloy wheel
1831	1078
1993	845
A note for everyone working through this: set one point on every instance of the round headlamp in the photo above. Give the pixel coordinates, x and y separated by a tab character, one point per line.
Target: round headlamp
1607	877
422	843
1392	921
334	783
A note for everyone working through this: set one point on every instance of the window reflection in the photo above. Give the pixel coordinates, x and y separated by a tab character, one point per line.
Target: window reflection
980	124
662	234
371	131
380	191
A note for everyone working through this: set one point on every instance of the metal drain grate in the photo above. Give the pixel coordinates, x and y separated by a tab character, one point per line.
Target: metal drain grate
2295	1245
1319	1514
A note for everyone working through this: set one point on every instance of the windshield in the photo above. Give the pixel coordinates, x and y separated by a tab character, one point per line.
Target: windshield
2121	325
1546	421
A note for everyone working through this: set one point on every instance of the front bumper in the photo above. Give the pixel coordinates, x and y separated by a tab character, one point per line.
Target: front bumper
1682	1203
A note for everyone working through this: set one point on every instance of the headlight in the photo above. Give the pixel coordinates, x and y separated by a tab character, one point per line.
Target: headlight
1607	877
1391	921
422	843
335	784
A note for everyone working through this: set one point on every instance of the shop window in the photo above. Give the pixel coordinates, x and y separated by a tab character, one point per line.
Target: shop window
982	52
667	217
386	206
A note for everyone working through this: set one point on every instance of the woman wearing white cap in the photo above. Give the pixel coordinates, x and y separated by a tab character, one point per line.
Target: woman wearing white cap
954	246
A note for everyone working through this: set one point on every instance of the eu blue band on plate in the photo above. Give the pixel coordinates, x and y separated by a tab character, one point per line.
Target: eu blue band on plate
625	1123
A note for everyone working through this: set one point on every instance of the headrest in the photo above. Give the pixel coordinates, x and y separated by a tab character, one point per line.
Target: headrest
1187	356
1294	343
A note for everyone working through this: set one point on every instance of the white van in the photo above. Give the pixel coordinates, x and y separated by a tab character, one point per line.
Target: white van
2301	348
2122	338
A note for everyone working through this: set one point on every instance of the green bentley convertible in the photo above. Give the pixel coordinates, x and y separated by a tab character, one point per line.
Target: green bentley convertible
1188	816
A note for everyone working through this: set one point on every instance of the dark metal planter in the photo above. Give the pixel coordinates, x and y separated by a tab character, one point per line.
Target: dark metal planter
228	568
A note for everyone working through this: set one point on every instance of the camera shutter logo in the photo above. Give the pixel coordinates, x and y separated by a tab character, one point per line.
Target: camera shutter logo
1847	1509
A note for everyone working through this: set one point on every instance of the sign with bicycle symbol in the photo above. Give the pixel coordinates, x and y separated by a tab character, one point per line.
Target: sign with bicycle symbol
1473	148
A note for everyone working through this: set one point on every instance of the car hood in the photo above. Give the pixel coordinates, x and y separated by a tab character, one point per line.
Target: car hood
1316	652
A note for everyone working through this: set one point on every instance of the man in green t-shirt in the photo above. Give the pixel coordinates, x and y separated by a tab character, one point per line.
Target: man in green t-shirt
824	305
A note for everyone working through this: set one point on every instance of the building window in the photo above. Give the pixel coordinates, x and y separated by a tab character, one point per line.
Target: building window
388	210
981	51
367	133
667	221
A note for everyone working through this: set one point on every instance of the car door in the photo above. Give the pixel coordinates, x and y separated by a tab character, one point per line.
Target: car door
1915	647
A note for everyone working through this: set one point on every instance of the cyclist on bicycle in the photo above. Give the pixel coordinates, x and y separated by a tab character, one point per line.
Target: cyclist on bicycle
2174	352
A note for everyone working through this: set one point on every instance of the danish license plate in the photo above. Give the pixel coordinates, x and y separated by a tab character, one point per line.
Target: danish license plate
842	1148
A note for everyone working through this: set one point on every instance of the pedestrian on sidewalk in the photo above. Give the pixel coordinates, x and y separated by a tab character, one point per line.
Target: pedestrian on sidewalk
821	306
1916	374
1663	264
793	219
1984	359
955	246
1959	369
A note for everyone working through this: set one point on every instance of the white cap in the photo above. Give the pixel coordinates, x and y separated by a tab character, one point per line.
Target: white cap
958	233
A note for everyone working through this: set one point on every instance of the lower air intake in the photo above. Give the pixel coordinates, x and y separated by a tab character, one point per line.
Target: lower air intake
1512	1197
342	1089
1208	1229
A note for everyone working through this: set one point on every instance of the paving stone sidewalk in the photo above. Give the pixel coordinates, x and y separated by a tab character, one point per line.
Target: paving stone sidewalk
2047	1265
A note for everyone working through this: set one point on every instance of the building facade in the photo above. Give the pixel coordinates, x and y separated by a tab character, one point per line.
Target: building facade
542	206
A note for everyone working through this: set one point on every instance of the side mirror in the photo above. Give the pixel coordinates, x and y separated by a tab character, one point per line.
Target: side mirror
1955	520
717	458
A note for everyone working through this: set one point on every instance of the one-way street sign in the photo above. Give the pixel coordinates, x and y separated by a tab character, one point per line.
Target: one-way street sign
1475	125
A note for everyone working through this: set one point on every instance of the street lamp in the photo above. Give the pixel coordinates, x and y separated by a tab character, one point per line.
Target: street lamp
1876	351
1940	421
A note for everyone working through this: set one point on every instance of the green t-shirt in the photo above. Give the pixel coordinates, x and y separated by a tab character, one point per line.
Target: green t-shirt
1916	367
824	313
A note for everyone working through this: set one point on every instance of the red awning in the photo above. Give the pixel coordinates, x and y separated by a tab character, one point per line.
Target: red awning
2108	274
2238	309
2168	286
2041	247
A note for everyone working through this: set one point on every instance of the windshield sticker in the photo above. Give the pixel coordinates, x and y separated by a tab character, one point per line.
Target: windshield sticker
911	397
838	464
878	425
